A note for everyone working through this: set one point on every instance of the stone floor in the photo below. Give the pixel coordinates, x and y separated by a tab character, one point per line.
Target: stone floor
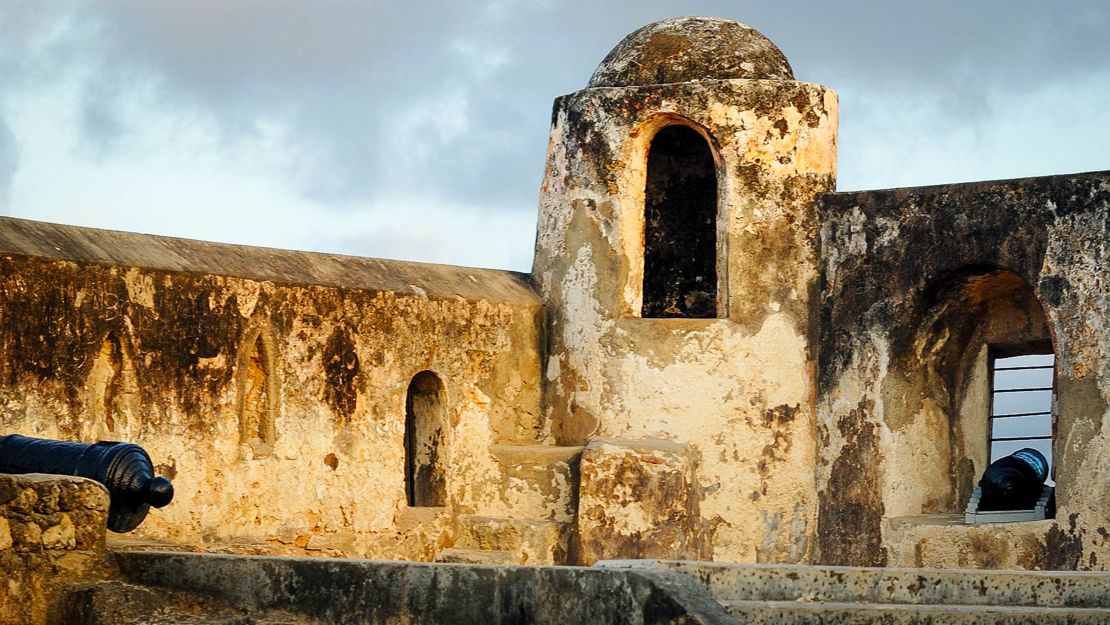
190	588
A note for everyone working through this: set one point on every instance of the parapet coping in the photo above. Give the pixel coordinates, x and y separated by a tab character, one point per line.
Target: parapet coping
844	199
26	238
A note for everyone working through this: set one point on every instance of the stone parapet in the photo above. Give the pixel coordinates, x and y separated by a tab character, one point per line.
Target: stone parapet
274	387
51	532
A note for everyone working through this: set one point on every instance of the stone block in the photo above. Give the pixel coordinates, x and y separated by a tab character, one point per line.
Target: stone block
538	481
531	541
26	536
638	499
60	536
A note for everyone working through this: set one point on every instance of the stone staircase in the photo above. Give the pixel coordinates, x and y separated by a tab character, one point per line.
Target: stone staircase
540	486
205	589
769	594
487	540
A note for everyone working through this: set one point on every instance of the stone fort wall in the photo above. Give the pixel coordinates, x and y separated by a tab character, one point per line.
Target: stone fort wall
271	386
921	285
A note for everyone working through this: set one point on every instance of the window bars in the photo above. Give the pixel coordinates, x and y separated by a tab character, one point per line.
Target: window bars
1021	405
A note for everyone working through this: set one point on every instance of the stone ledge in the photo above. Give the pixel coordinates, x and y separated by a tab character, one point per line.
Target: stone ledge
20	237
387	592
946	541
51	512
891	585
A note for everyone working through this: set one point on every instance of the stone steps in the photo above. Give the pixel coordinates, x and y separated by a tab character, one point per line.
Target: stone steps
839	613
836	584
787	594
529	541
538	486
538	481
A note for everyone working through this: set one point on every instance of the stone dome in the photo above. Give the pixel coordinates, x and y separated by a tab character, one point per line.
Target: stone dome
681	49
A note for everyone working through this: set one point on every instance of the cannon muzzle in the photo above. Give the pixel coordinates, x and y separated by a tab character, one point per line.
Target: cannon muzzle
1014	482
124	469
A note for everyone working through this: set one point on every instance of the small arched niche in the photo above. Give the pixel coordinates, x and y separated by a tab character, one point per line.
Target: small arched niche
113	392
425	432
986	359
258	390
680	226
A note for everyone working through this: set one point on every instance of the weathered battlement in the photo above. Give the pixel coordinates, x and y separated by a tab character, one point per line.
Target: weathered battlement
922	288
272	386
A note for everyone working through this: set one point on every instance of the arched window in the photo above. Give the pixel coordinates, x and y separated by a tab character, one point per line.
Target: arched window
1022	390
680	226
988	361
425	430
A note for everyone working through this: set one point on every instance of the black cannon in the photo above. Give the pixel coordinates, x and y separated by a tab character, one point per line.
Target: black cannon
1013	482
124	469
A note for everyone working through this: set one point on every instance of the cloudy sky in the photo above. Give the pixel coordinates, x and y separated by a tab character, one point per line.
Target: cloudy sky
417	129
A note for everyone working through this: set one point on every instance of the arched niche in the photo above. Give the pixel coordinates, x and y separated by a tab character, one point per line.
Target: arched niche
975	317
258	390
425	433
680	271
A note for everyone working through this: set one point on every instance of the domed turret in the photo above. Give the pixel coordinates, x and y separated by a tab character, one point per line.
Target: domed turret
682	49
676	253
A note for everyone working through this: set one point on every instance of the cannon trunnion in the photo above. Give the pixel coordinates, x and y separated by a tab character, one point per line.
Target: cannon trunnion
125	469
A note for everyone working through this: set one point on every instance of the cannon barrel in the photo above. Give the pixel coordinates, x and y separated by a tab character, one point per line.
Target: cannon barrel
1013	482
124	469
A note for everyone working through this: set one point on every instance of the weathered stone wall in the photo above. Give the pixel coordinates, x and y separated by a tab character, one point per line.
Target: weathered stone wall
826	399
51	532
640	499
738	389
271	386
918	283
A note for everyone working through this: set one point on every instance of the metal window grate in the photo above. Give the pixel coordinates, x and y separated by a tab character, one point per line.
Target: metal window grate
1021	405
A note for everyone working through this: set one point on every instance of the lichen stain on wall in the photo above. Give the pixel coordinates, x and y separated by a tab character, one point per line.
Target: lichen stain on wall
83	360
969	270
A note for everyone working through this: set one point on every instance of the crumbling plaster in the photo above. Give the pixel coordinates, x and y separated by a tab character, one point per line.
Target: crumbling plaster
897	380
736	389
332	476
834	411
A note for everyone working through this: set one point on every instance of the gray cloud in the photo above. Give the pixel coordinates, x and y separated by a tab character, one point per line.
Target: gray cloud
9	162
346	75
451	100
